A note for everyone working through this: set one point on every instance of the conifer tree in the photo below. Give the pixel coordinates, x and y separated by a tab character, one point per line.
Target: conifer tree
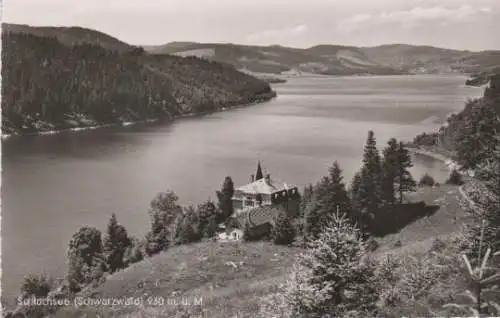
186	232
355	203
329	197
116	243
283	232
337	199
247	233
405	181
333	277
390	171
157	238
369	194
305	199
211	228
224	197
314	219
206	213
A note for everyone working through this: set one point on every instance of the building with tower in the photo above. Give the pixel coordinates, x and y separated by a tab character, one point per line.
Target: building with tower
260	201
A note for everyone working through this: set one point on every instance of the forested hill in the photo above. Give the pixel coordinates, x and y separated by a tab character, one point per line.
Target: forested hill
470	133
50	85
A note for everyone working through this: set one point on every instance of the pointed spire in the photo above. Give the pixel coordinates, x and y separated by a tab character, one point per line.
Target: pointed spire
259	174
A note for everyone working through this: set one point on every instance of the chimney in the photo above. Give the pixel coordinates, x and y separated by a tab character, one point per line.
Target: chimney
268	177
252	178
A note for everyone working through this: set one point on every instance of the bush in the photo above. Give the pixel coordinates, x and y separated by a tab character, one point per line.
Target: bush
438	245
455	178
427	180
135	252
86	258
37	286
283	232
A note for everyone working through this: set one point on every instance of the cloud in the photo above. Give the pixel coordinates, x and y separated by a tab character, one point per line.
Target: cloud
278	34
414	17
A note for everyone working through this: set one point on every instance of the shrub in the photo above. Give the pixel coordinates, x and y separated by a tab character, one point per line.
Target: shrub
483	278
426	180
455	178
283	232
438	245
135	252
37	286
86	259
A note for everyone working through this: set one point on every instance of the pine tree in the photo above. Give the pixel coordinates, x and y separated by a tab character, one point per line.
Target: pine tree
283	232
306	198
333	277
337	199
157	238
247	233
115	245
390	170
369	194
211	228
329	197
224	197
313	220
355	202
405	181
205	213
187	233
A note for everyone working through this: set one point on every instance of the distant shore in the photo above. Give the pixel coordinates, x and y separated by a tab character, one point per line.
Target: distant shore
259	100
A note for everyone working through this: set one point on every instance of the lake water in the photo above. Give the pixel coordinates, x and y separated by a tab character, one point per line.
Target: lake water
53	185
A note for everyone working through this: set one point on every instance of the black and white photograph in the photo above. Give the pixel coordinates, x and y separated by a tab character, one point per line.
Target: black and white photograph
250	158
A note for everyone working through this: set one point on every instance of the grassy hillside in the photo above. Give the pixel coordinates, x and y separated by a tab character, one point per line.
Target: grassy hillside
229	277
52	85
338	59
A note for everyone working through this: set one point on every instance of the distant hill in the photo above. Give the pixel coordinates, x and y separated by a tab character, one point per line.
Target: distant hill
322	59
338	59
60	78
70	35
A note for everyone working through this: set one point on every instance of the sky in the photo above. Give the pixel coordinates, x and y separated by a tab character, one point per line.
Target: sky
459	24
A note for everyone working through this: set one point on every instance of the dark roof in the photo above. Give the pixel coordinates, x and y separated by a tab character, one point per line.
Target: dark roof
260	215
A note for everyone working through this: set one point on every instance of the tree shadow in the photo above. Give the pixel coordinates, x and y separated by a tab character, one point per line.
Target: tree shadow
392	219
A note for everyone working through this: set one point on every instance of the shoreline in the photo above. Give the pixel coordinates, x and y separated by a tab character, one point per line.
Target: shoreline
130	123
448	161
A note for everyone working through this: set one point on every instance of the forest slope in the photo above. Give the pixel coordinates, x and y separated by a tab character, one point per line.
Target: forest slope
51	85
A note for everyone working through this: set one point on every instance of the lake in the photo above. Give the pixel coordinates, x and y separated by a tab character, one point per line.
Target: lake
52	185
